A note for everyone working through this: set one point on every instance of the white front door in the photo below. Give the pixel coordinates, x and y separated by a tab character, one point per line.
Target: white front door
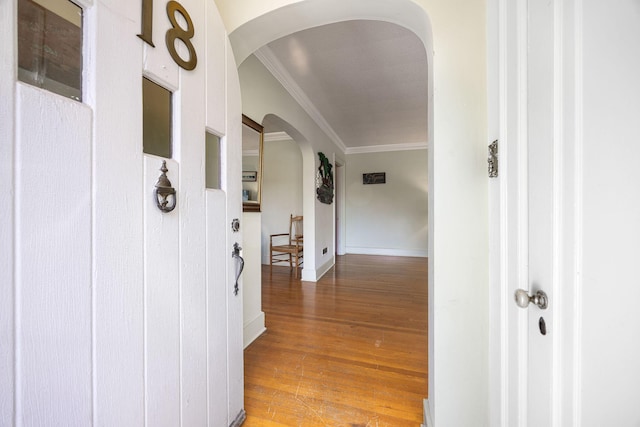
566	99
113	312
162	294
193	314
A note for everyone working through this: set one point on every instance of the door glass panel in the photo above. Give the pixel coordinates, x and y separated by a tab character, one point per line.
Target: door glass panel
156	119
50	46
212	166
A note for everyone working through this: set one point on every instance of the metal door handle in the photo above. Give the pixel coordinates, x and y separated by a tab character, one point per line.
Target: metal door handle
539	298
236	254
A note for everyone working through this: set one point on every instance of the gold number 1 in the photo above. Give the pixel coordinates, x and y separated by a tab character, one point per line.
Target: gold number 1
176	32
147	22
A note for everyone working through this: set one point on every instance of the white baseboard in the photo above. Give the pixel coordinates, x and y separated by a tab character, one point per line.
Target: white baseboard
253	329
326	267
309	275
428	421
389	252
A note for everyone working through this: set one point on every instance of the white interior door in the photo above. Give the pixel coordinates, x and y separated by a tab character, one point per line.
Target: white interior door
533	172
541	187
568	101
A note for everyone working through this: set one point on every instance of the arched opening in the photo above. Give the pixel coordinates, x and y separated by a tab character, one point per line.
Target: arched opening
263	29
283	186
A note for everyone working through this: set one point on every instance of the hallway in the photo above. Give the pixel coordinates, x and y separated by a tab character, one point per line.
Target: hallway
349	350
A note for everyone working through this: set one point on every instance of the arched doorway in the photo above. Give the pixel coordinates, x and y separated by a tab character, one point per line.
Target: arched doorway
458	307
260	31
283	186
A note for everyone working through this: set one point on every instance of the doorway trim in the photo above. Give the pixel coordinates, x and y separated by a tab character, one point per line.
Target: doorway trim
340	211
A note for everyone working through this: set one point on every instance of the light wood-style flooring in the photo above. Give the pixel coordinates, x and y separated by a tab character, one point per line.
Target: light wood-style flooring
349	350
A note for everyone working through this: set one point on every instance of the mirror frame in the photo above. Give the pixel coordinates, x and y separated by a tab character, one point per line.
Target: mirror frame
252	206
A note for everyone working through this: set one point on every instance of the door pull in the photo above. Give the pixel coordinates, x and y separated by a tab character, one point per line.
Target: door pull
236	254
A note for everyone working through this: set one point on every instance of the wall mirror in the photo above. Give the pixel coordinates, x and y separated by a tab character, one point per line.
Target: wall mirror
252	139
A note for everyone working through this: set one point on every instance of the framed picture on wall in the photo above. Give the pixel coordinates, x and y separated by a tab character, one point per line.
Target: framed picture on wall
374	178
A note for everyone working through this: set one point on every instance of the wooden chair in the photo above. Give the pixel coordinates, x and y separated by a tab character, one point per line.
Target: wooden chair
288	247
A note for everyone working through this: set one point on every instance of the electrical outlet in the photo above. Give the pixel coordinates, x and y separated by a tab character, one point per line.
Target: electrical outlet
324	251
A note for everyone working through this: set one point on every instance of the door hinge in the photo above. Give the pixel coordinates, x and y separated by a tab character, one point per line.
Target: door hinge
493	159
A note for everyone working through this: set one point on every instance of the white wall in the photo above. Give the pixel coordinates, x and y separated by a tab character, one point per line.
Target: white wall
391	218
281	189
262	94
254	324
281	196
611	208
458	216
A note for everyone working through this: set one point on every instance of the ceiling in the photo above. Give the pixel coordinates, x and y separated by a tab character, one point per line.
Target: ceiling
363	82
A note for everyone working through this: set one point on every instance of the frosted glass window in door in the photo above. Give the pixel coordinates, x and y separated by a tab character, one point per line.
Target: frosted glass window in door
212	163
156	119
50	46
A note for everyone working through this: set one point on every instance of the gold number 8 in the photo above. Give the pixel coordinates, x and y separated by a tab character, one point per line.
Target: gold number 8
176	32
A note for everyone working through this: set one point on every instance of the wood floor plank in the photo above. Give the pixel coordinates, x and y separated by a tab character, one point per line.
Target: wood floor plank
349	350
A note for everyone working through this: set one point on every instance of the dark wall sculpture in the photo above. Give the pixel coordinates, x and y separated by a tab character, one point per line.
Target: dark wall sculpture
324	180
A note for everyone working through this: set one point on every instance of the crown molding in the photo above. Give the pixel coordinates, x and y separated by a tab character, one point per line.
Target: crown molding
275	67
277	136
387	148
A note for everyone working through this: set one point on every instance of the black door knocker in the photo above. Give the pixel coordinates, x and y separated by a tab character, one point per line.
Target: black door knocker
164	193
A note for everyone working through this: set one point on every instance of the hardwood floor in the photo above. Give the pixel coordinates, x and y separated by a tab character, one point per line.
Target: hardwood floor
349	350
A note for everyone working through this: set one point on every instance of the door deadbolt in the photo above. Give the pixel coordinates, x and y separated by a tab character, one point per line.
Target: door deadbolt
539	298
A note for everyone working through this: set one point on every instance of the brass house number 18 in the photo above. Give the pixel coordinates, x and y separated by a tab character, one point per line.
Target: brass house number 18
175	32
